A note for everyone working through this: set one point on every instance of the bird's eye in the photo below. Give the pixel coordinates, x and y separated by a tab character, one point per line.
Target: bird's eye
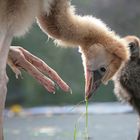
103	69
132	45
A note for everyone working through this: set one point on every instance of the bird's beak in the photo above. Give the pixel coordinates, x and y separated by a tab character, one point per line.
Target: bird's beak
95	78
93	81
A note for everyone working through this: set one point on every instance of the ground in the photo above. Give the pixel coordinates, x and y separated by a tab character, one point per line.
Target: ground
121	126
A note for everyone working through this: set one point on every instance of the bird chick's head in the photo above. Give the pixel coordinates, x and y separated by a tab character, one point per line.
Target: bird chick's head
134	47
99	66
127	78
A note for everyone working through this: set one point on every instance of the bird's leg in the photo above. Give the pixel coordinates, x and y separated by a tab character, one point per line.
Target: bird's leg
5	41
3	91
20	58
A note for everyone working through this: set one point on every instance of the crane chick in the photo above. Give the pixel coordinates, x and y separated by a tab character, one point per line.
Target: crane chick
102	50
127	79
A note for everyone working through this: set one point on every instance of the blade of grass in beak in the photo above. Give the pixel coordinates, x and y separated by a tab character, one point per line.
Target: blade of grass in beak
86	129
86	124
86	114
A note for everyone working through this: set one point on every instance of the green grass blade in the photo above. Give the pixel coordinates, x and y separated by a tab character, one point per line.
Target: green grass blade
87	114
86	129
86	124
75	132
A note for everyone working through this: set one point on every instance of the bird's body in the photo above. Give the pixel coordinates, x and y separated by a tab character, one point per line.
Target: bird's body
127	79
17	16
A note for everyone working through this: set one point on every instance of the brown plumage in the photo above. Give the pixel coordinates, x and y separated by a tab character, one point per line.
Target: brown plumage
101	48
127	79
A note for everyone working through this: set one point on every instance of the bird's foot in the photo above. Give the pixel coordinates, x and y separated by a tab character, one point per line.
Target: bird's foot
20	58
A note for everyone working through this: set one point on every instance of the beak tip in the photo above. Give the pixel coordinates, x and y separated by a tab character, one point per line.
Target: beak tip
87	97
93	81
95	86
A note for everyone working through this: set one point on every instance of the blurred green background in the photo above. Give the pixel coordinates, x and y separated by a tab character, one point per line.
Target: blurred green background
123	16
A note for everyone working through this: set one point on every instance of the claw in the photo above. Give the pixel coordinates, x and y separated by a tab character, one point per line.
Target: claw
70	90
44	68
21	59
14	68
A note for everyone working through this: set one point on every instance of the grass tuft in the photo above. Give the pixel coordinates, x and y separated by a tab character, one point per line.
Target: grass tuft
86	123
